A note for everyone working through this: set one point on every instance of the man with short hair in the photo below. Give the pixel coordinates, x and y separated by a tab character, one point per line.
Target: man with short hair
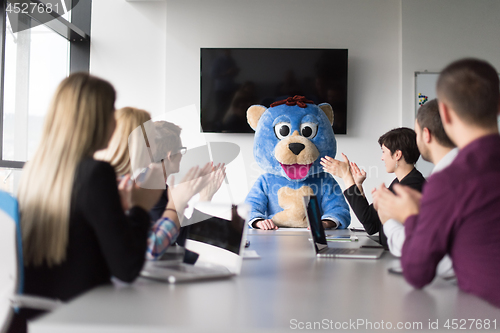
435	147
433	143
458	212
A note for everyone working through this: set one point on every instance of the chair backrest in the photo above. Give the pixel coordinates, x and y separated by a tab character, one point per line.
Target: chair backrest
10	256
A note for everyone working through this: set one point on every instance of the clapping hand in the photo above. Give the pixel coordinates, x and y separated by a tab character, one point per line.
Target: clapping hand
335	167
339	169
125	191
399	206
134	194
358	174
375	198
192	183
215	181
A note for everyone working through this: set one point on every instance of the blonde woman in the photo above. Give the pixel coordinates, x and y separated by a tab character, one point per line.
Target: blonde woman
75	233
117	152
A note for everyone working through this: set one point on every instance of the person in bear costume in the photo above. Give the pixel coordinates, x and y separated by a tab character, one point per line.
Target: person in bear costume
291	136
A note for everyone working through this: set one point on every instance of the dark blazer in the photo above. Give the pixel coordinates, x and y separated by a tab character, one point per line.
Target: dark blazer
365	212
102	242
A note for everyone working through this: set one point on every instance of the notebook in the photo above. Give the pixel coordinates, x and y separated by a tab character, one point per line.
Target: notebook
326	250
214	249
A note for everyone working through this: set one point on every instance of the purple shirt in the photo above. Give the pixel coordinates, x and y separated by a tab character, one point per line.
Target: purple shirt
460	215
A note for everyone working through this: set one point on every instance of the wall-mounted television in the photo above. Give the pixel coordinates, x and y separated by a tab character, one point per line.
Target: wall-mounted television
232	79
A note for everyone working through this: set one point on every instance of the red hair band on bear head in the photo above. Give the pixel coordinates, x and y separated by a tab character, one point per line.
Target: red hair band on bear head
295	100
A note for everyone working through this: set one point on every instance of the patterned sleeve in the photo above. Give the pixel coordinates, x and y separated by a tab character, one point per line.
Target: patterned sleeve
163	233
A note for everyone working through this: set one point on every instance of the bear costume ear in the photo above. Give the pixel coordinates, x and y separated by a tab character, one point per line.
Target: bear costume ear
327	109
253	115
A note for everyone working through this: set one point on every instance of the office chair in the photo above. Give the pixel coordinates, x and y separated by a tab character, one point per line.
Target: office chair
11	266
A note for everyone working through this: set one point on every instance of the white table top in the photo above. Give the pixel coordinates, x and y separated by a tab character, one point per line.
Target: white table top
287	288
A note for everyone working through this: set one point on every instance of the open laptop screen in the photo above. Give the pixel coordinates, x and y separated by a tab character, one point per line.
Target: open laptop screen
219	232
314	217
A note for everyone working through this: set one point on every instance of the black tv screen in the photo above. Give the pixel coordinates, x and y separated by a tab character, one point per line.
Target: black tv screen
234	79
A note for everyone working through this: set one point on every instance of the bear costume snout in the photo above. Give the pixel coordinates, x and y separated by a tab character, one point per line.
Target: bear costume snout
296	148
296	154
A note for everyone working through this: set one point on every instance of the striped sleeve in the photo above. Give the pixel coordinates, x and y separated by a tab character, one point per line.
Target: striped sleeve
163	233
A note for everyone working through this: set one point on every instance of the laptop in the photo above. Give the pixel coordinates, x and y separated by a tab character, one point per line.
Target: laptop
213	249
321	247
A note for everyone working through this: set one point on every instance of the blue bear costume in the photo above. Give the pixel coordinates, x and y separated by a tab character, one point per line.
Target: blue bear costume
290	139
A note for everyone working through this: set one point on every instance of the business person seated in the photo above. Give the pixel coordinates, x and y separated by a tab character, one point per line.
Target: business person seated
168	150
435	147
166	226
117	151
457	213
399	153
75	234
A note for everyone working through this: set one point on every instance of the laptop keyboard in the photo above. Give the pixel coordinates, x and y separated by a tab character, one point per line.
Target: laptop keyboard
333	251
189	269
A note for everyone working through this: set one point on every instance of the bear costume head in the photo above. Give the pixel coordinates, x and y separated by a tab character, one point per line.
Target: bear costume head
291	136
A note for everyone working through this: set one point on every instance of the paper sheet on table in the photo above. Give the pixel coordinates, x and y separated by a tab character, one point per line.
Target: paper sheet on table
250	254
293	229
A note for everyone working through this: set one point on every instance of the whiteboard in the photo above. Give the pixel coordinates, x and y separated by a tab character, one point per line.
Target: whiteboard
425	89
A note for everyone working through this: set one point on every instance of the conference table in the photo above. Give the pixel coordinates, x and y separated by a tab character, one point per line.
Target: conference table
287	289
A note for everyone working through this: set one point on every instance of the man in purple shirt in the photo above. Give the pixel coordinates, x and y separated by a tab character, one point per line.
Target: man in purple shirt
458	212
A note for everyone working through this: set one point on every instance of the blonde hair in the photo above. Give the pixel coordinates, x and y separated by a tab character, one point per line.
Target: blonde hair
167	138
117	152
77	124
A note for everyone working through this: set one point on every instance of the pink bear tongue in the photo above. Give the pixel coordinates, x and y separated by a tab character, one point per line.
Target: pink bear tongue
296	171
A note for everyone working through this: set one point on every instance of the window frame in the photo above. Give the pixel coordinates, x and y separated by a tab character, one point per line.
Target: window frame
77	32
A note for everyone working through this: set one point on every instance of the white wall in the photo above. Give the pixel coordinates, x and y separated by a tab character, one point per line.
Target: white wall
369	29
436	32
128	49
150	52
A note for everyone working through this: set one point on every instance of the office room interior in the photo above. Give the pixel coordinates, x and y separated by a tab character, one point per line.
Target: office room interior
149	50
156	45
